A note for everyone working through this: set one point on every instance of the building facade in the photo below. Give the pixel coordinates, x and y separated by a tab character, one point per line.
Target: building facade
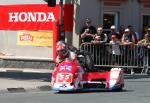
102	13
111	12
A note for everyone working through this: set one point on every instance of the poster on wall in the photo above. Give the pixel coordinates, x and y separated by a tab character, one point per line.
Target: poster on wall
35	38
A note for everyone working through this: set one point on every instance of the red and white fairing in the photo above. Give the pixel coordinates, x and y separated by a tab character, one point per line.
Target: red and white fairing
70	76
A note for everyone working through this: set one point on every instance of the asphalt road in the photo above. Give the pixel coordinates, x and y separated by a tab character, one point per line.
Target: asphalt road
135	91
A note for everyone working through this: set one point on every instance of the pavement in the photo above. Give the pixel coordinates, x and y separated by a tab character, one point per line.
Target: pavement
24	80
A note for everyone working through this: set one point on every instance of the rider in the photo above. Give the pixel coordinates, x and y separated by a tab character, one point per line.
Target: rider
66	52
63	52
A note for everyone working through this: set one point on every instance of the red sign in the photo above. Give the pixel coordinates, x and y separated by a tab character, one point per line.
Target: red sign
34	17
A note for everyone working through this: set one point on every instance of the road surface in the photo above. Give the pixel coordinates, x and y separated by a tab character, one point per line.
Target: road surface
135	91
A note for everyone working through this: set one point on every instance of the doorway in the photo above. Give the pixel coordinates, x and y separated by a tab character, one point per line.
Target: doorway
145	24
110	18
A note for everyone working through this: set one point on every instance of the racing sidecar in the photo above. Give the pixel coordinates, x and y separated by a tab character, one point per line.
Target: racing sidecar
70	76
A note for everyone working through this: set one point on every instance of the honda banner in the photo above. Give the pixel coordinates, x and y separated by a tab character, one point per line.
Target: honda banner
34	17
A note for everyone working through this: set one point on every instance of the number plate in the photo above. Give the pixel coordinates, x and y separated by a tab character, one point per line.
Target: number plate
64	78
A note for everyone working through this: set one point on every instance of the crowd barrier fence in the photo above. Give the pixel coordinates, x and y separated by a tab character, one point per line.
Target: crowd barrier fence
116	55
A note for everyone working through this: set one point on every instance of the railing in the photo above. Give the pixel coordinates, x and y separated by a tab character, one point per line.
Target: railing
114	55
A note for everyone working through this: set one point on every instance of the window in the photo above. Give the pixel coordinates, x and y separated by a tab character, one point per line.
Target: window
110	18
146	22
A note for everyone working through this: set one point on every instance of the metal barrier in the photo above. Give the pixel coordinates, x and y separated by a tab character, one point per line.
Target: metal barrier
113	55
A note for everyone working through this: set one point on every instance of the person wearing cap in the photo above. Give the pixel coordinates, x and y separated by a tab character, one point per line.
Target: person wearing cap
146	44
128	41
113	32
146	40
128	38
88	31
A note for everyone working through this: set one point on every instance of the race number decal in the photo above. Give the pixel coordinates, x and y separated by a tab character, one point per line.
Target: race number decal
64	78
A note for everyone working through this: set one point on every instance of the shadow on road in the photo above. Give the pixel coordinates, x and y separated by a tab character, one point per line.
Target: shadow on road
94	91
26	76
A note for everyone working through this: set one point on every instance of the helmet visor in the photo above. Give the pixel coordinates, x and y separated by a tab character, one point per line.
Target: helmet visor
61	52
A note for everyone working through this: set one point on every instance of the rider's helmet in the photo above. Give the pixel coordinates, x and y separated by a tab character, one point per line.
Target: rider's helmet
62	49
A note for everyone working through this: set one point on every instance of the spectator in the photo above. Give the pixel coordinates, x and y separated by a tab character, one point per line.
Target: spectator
88	31
146	40
115	49
146	44
128	38
100	36
144	31
113	32
128	41
135	34
121	31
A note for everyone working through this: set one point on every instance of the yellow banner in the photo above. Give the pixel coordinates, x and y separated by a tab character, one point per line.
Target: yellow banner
35	38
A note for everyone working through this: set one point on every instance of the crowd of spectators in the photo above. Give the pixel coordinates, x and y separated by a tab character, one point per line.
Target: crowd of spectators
124	36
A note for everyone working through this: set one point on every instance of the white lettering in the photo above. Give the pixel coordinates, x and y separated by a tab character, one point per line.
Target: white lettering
50	17
13	17
23	17
41	17
26	37
31	17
